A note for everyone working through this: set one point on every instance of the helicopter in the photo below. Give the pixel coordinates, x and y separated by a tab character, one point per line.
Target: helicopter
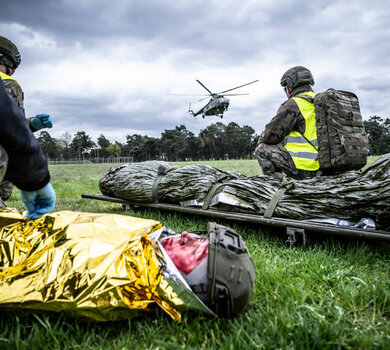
218	104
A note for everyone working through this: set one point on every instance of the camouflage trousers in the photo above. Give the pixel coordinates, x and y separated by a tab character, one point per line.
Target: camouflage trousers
3	169
6	188
274	160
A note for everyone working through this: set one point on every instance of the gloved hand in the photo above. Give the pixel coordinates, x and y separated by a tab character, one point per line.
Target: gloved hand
38	202
41	121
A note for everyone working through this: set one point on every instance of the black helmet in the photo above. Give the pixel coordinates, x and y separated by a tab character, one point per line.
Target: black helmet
297	76
9	54
230	271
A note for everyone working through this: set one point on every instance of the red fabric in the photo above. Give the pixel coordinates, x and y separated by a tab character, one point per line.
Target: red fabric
186	251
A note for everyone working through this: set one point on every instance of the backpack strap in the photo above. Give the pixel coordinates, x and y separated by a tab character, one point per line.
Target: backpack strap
306	97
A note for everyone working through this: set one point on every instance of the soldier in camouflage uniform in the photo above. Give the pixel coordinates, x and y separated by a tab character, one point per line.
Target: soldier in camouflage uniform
22	161
271	152
9	60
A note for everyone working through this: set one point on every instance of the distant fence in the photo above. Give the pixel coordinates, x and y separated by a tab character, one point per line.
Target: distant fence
91	160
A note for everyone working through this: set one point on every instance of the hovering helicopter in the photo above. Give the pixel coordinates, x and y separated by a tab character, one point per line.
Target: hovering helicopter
218	104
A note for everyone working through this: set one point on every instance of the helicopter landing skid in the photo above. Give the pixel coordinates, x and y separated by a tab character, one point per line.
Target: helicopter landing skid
218	115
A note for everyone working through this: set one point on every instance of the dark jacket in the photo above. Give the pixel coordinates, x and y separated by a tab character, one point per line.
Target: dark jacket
27	166
287	119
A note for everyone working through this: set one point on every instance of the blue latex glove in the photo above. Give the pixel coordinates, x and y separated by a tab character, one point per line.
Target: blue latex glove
41	121
38	202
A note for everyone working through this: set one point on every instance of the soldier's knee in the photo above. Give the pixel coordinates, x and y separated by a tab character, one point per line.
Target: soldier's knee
260	149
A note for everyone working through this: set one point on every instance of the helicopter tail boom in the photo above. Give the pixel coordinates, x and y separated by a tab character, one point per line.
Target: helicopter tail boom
194	114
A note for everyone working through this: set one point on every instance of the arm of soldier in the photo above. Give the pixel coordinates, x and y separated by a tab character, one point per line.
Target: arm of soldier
36	123
281	125
29	124
14	90
40	121
27	166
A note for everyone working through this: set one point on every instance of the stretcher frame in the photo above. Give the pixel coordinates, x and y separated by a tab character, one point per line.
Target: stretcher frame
296	230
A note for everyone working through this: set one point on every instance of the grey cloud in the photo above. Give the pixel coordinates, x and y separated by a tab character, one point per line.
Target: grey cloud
97	113
214	33
377	84
98	20
343	50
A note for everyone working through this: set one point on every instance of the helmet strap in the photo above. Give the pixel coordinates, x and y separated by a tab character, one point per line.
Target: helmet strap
7	68
214	262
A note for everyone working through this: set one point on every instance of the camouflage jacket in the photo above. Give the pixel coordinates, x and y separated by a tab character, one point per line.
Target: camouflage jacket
287	119
15	91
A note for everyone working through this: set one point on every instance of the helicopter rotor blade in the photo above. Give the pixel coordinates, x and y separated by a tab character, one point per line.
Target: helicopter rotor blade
254	81
184	95
204	87
234	94
224	95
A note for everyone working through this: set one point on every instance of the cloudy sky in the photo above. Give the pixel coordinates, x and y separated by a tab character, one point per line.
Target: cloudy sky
106	67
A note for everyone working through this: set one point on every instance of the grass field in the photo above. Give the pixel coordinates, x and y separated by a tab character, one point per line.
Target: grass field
332	295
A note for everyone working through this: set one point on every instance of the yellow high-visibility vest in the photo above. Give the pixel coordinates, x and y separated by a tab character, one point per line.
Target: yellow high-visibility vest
4	76
304	148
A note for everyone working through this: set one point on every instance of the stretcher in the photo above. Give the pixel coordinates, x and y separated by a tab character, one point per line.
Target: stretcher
296	230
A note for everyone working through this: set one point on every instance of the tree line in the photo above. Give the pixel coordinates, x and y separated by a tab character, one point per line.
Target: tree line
378	132
216	141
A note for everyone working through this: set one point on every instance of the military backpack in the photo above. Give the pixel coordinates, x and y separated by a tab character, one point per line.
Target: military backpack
342	140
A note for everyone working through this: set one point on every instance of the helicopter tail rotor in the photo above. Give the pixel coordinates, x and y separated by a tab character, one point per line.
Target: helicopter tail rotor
190	110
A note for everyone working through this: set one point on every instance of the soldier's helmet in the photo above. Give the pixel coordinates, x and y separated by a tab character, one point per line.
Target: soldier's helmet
230	271
9	53
297	76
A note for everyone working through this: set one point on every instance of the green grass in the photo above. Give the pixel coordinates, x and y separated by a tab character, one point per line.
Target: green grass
249	167
333	294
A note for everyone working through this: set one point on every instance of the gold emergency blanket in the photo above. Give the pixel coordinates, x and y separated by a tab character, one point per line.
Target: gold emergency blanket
101	266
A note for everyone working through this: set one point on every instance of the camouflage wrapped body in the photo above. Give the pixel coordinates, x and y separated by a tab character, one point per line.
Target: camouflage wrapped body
273	158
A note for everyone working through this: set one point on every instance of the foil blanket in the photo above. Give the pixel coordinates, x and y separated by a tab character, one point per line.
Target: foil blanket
101	266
